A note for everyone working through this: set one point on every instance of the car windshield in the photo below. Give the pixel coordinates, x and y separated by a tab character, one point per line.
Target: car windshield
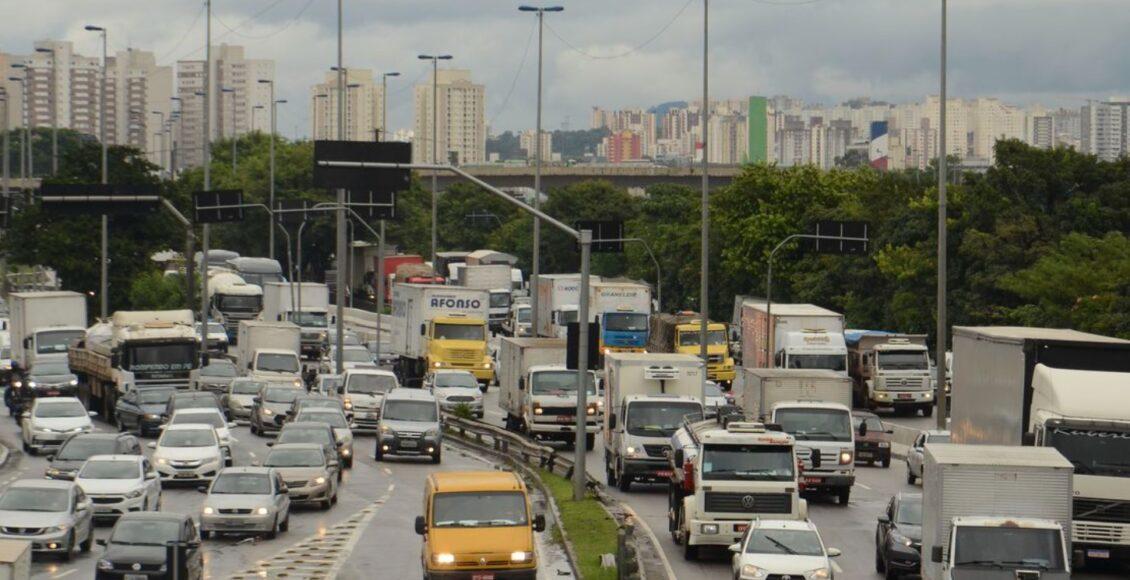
154	396
459	332
277	362
110	469
212	419
245	387
219	370
51	368
1003	547
330	384
145	532
194	401
712	390
282	394
56	340
239	483
305	435
755	462
567	317
360	354
318	403
625	322
214	328
295	458
421	411
808	424
59	410
791	542
310	319
524	314
370	384
500	299
478	509
831	362
335	420
561	382
238	303
1092	451
903	361
910	512
188	438
938	438
35	499
82	448
467	380
691	338
874	424
660	419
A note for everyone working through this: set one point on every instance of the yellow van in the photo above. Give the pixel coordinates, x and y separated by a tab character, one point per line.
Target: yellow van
477	525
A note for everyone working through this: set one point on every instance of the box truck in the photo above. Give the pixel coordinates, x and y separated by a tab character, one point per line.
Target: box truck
793	336
495	279
440	327
232	299
682	333
44	324
268	350
558	298
622	309
306	304
1054	388
991	511
890	371
539	395
646	398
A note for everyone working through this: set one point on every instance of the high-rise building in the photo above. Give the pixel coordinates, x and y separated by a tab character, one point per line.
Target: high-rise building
1042	131
364	106
1105	128
637	121
231	110
461	110
622	147
527	143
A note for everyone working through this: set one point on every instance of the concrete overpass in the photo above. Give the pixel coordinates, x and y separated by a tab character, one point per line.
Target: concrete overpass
628	176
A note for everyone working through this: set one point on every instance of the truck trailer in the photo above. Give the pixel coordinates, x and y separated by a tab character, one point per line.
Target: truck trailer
495	279
306	304
440	327
43	325
793	336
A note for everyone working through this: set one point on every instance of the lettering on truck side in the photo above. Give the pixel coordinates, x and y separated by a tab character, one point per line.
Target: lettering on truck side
452	302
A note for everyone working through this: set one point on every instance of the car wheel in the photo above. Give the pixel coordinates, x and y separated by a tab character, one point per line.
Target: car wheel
27	448
274	533
205	534
909	475
285	527
609	475
251	426
843	496
325	504
89	541
349	463
928	411
590	441
690	553
891	574
886	462
69	553
624	482
339	474
437	457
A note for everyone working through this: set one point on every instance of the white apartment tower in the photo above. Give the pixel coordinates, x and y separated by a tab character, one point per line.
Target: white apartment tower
1105	128
460	108
526	141
364	107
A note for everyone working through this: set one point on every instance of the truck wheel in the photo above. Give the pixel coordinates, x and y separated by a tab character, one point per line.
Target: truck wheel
844	495
690	553
928	411
590	441
886	461
909	475
609	474
624	482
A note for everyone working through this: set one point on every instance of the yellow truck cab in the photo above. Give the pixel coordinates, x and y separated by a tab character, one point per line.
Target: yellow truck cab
682	332
459	342
478	524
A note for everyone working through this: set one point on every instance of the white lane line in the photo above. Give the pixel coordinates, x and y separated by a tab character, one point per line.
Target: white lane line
360	529
863	485
67	573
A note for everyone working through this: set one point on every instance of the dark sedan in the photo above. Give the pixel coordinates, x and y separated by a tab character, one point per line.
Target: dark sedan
898	536
140	410
137	544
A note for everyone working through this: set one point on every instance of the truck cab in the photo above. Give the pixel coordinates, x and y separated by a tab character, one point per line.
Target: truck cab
725	476
1005	548
500	300
233	300
641	429
623	331
314	325
549	401
362	392
813	349
821	428
458	342
893	373
51	343
275	364
519	321
719	364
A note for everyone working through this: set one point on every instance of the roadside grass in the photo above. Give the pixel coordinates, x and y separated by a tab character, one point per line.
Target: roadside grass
591	530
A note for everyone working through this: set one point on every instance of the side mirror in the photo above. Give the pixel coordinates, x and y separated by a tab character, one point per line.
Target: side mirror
25	415
100	541
50	458
27	342
816	459
270	444
151	476
834	552
232	425
522	383
889	431
421	525
82	506
279	419
256	400
680	456
151	445
863	429
116	360
735	548
884	519
340	444
936	554
539	523
284	490
202	488
612	420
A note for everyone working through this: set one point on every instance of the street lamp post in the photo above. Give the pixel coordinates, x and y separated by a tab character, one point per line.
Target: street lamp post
940	348
536	262
435	125
349	87
26	157
105	266
271	193
233	128
207	160
339	252
704	279
384	109
7	148
179	115
161	145
25	135
54	110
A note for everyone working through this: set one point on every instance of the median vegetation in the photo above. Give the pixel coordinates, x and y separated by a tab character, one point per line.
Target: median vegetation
591	531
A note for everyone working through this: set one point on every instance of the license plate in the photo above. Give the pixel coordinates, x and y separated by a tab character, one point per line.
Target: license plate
409	444
664	473
564	419
184	475
482	576
815	480
863	454
135	577
1099	554
52	393
741	528
906	396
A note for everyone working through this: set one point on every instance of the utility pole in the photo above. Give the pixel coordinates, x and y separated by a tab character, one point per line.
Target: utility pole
233	128
704	278
435	143
940	348
535	266
23	134
7	151
105	267
160	136
207	160
54	110
271	194
384	105
339	291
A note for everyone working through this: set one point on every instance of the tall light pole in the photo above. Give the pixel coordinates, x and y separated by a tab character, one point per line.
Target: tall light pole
4	98
207	160
339	290
940	348
435	142
105	266
704	279
54	110
536	262
233	128
384	116
179	115
271	193
27	156
25	136
160	136
348	93
253	109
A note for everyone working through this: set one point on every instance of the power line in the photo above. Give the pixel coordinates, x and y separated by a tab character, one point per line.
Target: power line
517	73
183	36
245	21
630	51
234	30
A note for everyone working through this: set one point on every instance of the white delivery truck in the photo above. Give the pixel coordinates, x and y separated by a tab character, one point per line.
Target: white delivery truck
814	406
539	394
232	299
440	327
890	370
1054	388
558	298
495	279
44	324
269	351
623	310
646	398
792	336
995	512
282	301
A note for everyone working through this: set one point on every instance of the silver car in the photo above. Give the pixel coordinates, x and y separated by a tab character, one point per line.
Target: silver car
240	398
245	500
52	420
307	474
454	389
409	425
336	419
214	378
55	516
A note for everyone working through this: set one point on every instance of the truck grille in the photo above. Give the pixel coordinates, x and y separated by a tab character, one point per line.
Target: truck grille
657	450
714	358
558	411
463	355
906	383
1101	510
765	503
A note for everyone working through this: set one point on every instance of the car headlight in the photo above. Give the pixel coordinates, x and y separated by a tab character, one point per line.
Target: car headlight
105	565
208	510
262	511
61	528
74	382
487	365
433	432
520	556
152	416
538	410
901	539
387	429
162	461
134	494
436	365
319	480
345	451
709	529
753	572
31	384
267	411
445	558
348	404
53	471
928	396
631	451
845	457
18	384
590	411
818	574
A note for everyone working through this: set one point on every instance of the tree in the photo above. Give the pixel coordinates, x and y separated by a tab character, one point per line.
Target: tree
155	291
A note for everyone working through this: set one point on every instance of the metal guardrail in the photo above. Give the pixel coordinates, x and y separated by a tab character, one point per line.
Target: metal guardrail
512	444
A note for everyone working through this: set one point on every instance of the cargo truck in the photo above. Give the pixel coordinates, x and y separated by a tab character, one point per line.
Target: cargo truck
558	298
232	299
800	336
539	395
1055	388
725	476
646	398
268	351
282	301
814	406
391	264
682	333
495	279
890	371
257	271
44	324
622	309
440	327
995	512
135	349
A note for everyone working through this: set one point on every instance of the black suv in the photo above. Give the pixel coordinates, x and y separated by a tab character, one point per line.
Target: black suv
898	536
66	462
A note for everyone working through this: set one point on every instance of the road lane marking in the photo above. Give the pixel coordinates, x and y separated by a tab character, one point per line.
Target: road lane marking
67	573
863	485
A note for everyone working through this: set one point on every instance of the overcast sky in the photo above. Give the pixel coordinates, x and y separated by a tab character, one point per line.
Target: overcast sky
629	53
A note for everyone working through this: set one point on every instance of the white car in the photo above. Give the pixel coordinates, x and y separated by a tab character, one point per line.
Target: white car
916	455
246	499
454	388
188	453
782	549
714	399
355	356
51	420
119	484
363	390
213	418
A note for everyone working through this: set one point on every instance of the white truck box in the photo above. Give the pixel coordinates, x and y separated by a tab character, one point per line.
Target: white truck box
485	277
277	299
515	357
59	314
763	388
634	373
990	481
255	335
786	318
415	304
558	298
607	296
